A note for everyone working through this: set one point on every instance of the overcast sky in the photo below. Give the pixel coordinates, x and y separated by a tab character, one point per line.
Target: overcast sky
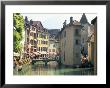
55	21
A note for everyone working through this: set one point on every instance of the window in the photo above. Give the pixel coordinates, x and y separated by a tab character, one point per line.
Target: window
41	55
34	50
27	39
31	34
65	43
35	46
76	42
46	42
31	42
39	48
53	45
39	41
83	40
28	50
44	36
43	48
37	34
31	49
65	34
33	28
35	42
53	50
49	50
76	32
46	49
34	35
62	35
27	32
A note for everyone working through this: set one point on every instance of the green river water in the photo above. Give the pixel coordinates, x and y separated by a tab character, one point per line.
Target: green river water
40	69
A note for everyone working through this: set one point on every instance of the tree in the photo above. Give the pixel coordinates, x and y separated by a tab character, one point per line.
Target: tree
18	27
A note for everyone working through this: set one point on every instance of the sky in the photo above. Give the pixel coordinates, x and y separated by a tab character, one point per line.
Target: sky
55	21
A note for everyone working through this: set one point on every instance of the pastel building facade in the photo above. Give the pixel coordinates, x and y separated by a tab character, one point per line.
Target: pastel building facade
52	49
36	39
70	42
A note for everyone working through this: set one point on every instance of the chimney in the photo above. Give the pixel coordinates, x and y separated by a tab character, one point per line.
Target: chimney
26	19
64	24
31	22
71	20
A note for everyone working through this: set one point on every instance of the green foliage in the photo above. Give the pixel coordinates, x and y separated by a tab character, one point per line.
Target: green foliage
18	27
17	46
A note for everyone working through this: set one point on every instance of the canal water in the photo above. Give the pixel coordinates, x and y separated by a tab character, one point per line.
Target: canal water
51	69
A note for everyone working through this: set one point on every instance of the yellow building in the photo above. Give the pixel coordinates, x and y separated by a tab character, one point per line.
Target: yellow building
42	42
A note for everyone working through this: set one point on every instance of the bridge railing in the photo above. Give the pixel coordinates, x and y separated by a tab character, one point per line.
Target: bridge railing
46	58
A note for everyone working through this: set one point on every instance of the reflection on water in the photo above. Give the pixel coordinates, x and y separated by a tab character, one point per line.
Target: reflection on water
52	69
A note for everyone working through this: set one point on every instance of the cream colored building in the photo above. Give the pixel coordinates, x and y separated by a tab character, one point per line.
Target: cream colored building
70	42
52	49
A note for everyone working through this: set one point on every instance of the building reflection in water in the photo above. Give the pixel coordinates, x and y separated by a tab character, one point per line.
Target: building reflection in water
52	69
